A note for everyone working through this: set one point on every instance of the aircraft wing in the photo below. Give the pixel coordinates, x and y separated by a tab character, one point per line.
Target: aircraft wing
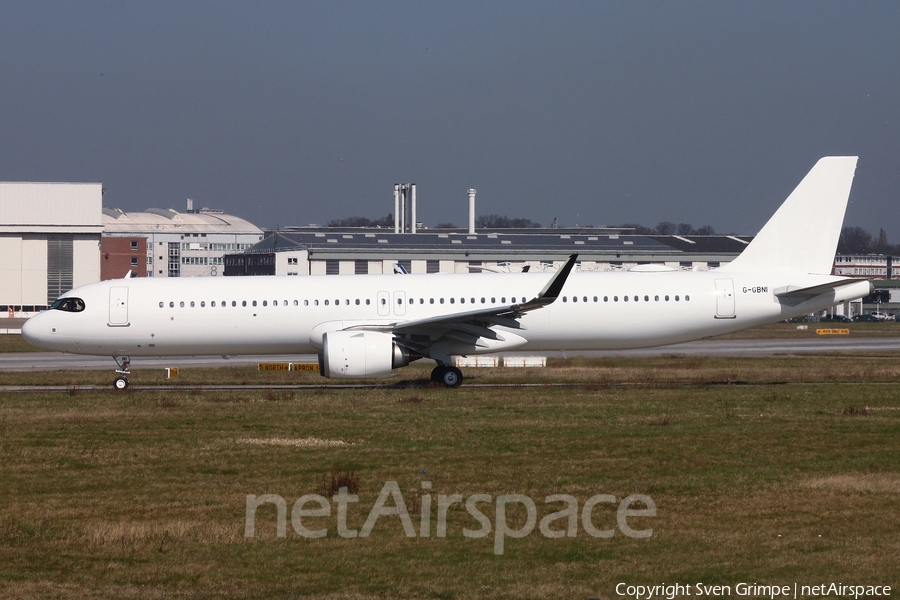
468	326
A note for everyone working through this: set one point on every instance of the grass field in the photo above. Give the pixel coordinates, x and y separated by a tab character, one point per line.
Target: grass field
792	478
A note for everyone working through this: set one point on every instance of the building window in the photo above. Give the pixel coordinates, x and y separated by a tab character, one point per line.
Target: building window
134	261
134	245
332	267
361	267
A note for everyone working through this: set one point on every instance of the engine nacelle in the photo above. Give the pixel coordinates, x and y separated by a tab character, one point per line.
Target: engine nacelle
360	355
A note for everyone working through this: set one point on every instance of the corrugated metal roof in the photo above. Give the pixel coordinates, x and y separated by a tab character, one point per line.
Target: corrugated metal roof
677	247
42	205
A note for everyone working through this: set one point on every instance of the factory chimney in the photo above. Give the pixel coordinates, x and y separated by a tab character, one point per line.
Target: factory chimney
412	223
471	211
396	208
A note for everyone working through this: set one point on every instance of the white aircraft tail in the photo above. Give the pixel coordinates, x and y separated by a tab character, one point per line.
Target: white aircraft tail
803	233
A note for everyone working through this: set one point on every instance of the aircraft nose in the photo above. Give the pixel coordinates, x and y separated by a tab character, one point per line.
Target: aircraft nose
32	331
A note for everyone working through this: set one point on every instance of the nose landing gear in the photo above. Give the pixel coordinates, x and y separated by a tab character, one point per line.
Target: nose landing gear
121	382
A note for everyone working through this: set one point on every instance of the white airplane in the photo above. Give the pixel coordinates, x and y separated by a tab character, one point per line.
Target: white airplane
365	326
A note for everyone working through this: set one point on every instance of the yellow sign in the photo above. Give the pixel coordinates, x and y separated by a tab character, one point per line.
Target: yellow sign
274	367
171	372
833	331
304	367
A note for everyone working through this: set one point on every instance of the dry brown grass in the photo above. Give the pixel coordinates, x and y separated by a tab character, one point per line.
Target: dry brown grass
142	495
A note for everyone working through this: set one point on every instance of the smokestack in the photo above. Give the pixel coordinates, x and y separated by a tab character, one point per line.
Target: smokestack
471	211
190	205
396	208
412	224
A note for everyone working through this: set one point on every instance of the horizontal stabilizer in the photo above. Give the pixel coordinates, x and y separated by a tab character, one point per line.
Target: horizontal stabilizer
791	291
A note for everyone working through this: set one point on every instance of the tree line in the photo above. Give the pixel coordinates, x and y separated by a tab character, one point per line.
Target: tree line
856	240
492	221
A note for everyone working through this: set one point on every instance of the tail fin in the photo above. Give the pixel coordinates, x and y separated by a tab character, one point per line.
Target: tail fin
803	233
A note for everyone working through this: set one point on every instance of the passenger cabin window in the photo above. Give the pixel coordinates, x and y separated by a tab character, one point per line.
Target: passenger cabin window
68	304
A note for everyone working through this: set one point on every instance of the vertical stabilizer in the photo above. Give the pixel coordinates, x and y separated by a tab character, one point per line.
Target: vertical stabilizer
803	233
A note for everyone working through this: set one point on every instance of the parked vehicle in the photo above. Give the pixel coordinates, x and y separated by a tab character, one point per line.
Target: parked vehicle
837	319
866	319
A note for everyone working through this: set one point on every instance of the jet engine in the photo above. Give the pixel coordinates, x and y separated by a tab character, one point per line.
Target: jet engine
360	355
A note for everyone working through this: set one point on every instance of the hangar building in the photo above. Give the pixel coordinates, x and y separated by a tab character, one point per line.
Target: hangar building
49	242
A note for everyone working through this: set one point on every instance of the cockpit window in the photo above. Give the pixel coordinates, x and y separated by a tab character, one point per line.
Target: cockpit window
68	304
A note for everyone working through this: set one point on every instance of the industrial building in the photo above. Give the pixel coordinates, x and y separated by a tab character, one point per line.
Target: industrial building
411	248
49	242
367	251
864	266
167	243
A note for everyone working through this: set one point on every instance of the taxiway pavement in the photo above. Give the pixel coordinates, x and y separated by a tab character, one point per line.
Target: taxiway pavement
56	361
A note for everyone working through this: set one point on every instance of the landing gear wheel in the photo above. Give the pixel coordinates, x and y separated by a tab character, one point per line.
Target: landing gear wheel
451	377
121	382
436	373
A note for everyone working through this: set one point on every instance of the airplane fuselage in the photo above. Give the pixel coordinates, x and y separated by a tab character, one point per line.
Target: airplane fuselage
284	315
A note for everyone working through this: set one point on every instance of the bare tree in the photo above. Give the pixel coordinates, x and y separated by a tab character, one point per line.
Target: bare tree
387	221
854	240
504	222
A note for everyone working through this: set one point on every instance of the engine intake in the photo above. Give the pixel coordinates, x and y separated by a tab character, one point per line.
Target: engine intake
360	355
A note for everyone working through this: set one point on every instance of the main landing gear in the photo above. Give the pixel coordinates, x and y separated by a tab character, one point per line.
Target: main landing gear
450	377
121	382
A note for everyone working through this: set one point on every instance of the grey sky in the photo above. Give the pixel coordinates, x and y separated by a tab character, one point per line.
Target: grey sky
592	112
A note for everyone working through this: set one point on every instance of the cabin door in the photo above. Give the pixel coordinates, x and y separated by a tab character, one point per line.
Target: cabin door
118	306
724	299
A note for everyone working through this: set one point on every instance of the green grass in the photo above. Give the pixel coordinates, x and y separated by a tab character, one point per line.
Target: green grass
14	342
142	494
